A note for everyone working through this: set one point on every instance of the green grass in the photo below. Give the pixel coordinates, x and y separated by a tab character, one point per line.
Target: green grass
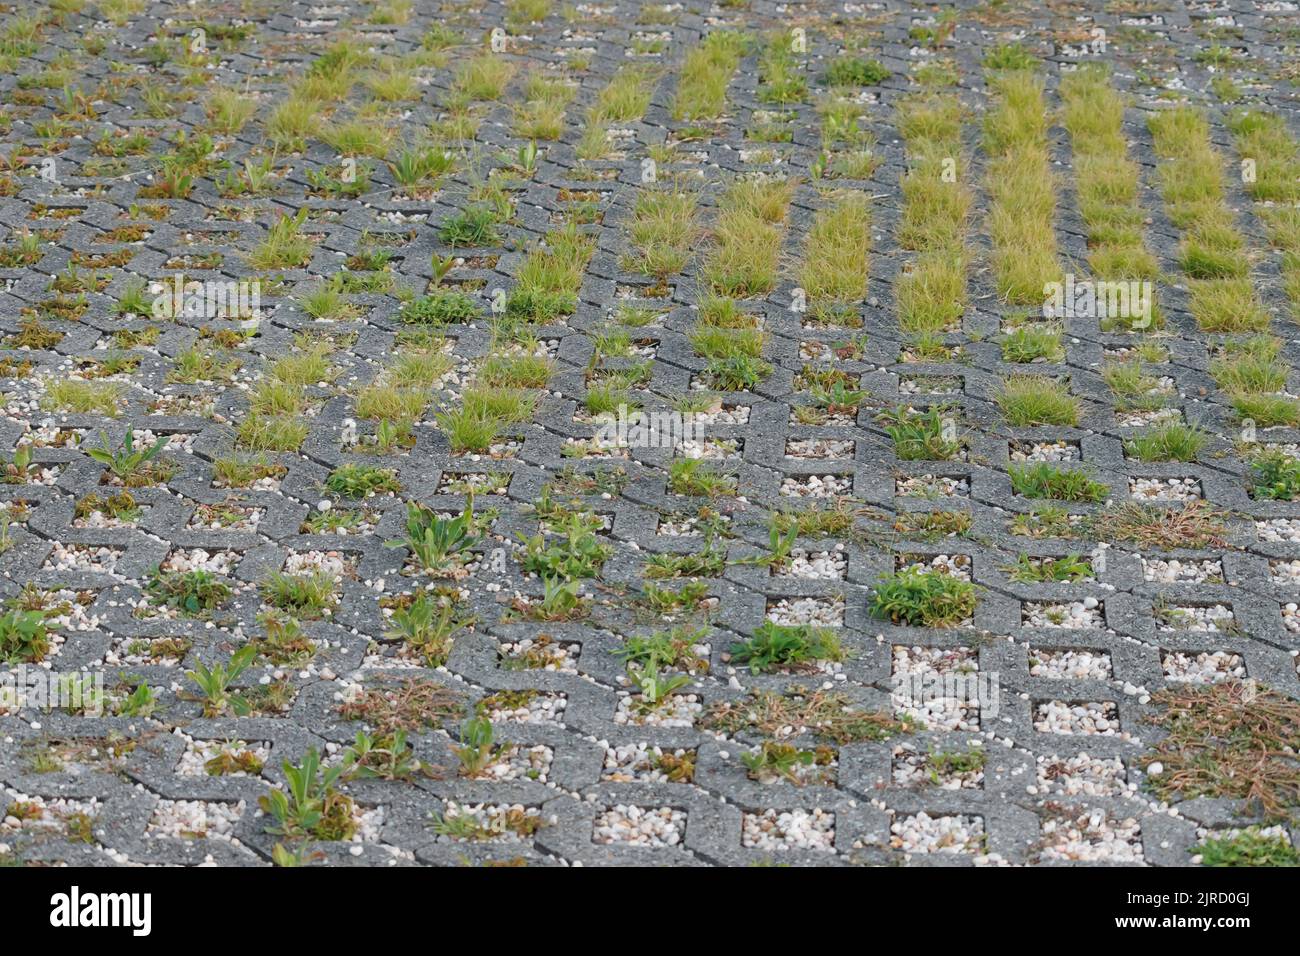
931	292
855	71
475	225
1213	255
627	96
1066	570
1044	481
1194	524
704	76
1010	56
440	307
1251	365
1034	400
547	283
359	481
541	115
1021	187
515	371
482	416
1263	138
392	404
923	599
1174	442
83	398
663	230
1249	847
780	72
934	525
747	236
229	110
263	432
484	77
1283	226
192	593
1032	342
928	435
284	247
779	646
724	344
834	271
1106	178
304	595
694	476
1266	411
1230	740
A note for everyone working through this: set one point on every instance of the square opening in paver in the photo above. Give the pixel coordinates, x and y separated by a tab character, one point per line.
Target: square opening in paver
1218	618
1086	718
941	833
784	830
957	769
1085	614
648	827
1069	663
1202	667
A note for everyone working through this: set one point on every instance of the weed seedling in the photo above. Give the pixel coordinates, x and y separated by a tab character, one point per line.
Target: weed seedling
433	541
192	593
310	806
214	683
126	461
477	750
776	646
923	598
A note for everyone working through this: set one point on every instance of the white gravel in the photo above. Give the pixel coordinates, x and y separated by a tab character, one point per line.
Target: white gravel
911	768
922	833
1186	571
820	612
828	449
194	819
1165	489
1195	617
639	762
1091	836
677	710
932	486
777	830
685	525
193	762
1285	573
955	565
493	821
1091	718
816	486
1054	451
1069	664
813	565
1080	775
1086	614
1207	667
918	674
83	557
639	826
541	653
1278	529
540	709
